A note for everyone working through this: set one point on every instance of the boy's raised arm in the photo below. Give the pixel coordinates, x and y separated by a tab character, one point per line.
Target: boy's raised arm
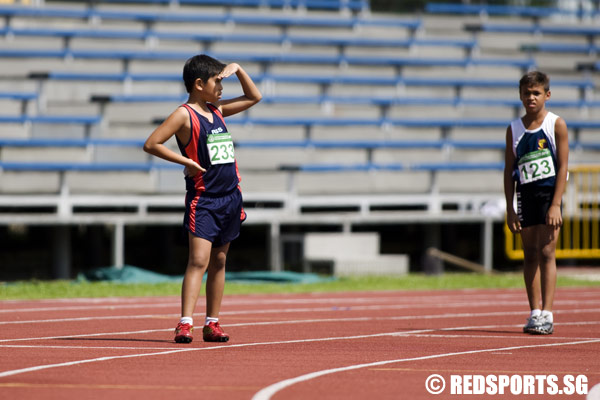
251	93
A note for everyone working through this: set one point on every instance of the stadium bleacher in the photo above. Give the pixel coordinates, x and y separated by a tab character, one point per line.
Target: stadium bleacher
414	108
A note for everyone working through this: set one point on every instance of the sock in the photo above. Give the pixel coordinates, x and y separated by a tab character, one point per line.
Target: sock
208	320
548	315
186	320
535	313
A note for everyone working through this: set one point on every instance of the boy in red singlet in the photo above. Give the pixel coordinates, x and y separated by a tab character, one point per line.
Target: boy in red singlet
213	201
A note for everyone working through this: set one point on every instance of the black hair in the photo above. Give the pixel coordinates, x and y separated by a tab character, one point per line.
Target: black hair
200	66
534	78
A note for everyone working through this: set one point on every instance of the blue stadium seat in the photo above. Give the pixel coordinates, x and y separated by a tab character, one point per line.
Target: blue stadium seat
533	12
23	97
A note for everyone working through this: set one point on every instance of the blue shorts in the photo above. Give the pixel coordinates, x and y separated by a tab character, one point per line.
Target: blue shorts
216	219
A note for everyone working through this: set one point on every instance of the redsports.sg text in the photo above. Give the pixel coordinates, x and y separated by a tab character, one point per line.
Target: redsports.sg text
519	384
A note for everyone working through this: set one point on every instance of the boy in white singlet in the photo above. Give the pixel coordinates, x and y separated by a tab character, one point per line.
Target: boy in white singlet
536	161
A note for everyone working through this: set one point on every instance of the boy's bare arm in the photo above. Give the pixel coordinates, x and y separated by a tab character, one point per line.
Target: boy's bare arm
251	93
561	135
512	220
175	123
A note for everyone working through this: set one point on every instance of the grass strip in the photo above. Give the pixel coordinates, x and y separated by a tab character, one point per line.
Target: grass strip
31	290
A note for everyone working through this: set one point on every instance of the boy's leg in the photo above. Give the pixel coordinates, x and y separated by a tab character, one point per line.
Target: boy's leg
198	260
215	280
547	239
215	285
531	267
199	255
539	244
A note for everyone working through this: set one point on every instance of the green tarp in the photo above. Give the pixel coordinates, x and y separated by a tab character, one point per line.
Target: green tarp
131	274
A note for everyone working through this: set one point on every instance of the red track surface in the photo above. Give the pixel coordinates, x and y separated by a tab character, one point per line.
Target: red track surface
330	346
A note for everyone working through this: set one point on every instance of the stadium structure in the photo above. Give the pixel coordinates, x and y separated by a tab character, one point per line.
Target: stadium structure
380	136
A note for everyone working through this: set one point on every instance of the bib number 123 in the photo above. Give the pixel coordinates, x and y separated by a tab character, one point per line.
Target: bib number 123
535	166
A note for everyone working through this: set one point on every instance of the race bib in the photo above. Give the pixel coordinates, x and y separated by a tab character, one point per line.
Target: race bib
535	166
220	148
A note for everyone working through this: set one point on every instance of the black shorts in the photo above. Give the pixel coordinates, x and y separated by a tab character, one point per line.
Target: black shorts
533	204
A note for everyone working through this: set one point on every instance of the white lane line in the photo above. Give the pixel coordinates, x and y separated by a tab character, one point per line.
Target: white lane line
85	335
323	320
385	334
404	295
32	346
268	392
116	303
419	333
66	364
403	317
325	309
227	302
79	362
79	319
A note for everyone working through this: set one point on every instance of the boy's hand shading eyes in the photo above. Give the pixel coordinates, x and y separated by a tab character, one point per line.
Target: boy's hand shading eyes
229	70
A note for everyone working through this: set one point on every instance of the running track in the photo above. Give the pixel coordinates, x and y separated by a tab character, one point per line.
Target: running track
366	345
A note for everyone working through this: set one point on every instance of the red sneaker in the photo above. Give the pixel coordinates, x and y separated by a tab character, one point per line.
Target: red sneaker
183	333
213	333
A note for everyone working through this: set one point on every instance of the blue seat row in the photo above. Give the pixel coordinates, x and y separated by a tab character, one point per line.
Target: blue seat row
19	95
82	166
266	60
506	10
52	119
325	167
284	143
444	123
380	101
210	37
370	166
324	80
590	49
353	5
309	167
406	122
535	29
151	17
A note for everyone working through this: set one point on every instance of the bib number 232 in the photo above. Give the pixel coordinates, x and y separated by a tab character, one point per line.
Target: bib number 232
220	148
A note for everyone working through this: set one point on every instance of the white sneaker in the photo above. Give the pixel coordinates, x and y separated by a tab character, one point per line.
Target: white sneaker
532	324
543	326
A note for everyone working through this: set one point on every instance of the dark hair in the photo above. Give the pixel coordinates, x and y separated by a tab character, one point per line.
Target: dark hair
535	78
200	66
